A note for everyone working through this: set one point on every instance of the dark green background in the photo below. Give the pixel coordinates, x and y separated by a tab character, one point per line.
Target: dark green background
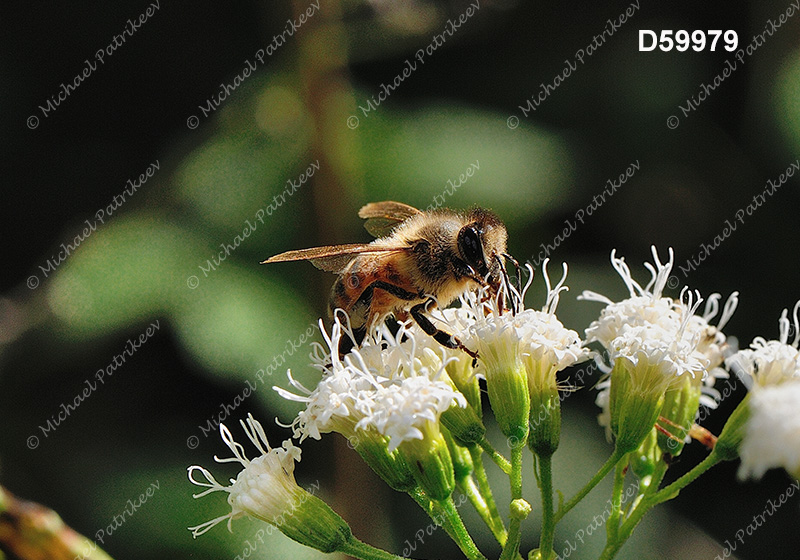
452	111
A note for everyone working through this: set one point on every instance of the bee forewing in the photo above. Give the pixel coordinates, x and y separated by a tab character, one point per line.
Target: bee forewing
332	258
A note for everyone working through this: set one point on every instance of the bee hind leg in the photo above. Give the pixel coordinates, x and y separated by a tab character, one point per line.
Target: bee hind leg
444	338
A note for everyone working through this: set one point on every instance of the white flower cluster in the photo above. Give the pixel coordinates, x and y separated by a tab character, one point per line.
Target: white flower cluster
775	361
661	357
660	339
392	384
534	339
772	432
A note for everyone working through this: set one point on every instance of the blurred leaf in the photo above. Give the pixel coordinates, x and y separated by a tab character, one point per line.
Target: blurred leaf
265	134
237	320
411	155
787	100
125	272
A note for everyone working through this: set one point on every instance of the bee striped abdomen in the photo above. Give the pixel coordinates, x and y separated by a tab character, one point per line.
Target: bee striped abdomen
369	291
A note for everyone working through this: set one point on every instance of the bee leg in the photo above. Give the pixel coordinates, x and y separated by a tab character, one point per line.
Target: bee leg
444	338
396	291
346	343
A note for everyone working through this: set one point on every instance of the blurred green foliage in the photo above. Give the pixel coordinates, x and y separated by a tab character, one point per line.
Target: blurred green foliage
240	316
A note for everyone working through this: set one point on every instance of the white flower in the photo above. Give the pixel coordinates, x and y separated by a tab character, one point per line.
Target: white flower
645	306
404	409
391	388
712	342
660	338
771	362
648	360
764	430
772	431
655	357
520	350
265	488
648	306
413	391
341	397
535	338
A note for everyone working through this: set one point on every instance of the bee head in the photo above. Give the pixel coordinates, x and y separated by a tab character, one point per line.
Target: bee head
480	242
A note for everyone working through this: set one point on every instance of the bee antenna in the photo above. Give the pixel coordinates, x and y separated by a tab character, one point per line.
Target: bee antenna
507	284
516	265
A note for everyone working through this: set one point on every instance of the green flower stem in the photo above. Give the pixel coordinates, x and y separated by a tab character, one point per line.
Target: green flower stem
495	456
595	480
674	489
655	479
362	550
647	486
511	548
548	515
462	536
611	550
652	500
432	510
470	490
612	526
445	511
493	519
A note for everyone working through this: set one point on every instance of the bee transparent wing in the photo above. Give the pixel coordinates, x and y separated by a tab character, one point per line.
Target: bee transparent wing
333	258
383	217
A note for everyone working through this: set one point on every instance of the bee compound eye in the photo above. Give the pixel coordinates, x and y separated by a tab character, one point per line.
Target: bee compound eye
470	245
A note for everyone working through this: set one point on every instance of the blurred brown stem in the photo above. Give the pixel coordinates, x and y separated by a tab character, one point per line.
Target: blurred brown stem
322	66
31	531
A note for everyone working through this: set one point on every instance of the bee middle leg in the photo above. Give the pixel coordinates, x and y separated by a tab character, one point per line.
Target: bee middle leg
444	338
346	344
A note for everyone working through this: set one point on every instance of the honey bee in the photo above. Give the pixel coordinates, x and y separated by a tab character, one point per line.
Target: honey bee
420	260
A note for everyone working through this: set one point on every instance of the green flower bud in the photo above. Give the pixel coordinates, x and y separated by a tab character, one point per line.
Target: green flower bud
520	509
430	462
545	422
681	402
730	440
313	524
461	372
464	424
389	465
462	460
643	461
634	410
508	395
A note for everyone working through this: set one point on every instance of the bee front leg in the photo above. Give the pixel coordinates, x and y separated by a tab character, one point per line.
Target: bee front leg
444	338
347	343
